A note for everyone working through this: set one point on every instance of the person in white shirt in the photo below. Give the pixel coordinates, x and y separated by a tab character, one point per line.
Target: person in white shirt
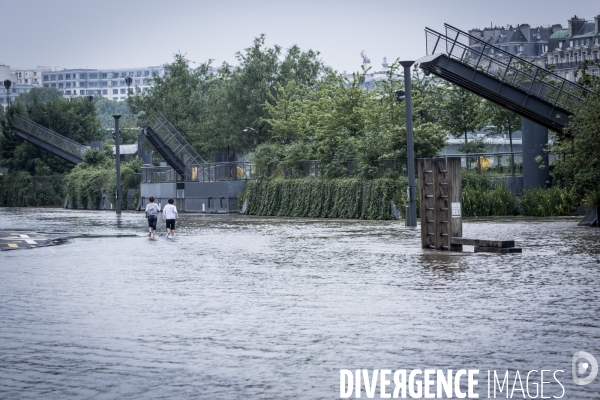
170	215
152	215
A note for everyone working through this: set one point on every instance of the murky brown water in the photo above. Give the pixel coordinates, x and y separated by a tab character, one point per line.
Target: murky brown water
246	307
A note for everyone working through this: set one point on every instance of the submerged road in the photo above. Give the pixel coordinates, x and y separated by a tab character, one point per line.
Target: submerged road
240	307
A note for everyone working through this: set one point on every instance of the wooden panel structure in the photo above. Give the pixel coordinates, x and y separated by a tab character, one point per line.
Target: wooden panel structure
426	194
441	212
455	199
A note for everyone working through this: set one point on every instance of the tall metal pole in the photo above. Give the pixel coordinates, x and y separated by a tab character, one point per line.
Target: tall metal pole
118	156
411	218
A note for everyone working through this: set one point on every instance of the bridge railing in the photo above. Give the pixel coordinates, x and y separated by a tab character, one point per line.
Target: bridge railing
49	136
175	140
506	67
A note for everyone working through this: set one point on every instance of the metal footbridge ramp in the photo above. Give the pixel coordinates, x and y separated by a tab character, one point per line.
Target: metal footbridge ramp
505	79
48	139
172	146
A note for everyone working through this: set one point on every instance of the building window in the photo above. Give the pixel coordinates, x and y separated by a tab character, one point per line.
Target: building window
82	84
123	74
93	76
67	92
137	82
103	75
68	76
146	73
115	91
595	72
103	83
122	98
123	91
60	77
45	85
68	84
121	83
104	91
35	73
53	85
82	92
26	80
138	73
60	85
52	77
82	76
45	78
115	99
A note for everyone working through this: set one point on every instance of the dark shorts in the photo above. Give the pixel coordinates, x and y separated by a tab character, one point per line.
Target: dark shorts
152	221
171	224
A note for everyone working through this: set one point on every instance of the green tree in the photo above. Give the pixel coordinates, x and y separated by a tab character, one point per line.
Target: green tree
503	121
579	170
461	111
127	123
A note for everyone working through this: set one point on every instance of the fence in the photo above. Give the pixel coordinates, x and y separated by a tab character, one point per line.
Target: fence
215	172
497	163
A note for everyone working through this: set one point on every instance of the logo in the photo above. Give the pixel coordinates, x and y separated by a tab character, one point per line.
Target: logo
581	367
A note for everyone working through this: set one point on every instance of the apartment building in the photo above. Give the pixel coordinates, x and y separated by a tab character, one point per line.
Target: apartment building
108	83
564	48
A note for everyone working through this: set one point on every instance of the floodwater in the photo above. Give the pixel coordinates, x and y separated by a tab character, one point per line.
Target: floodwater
239	307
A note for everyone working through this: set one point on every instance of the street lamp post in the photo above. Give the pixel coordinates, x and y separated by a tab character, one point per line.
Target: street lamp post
411	217
7	84
118	159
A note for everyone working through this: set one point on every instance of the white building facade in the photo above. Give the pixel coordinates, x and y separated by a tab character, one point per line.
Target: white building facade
29	76
16	88
108	83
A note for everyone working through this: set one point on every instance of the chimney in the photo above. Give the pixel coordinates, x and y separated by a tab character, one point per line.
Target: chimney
556	27
526	31
575	24
597	24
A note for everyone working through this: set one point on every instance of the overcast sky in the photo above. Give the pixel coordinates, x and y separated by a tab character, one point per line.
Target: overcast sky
136	33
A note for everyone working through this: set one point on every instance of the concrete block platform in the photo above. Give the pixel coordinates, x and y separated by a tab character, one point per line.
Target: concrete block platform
28	240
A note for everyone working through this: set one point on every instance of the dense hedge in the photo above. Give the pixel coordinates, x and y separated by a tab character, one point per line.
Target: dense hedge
370	199
20	189
324	198
85	183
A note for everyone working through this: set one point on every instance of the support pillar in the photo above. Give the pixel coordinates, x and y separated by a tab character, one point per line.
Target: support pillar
535	143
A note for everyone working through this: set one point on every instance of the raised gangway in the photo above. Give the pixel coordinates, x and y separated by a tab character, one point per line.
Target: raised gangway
48	139
172	146
503	78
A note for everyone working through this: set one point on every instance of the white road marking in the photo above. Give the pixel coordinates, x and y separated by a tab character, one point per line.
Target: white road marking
30	241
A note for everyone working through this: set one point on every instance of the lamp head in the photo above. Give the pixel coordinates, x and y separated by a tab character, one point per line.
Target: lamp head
7	84
128	80
400	95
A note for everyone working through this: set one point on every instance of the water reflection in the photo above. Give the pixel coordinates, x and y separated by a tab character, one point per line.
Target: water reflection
250	307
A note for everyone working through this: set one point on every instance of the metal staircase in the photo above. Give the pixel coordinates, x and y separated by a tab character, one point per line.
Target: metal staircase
505	79
48	139
172	146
